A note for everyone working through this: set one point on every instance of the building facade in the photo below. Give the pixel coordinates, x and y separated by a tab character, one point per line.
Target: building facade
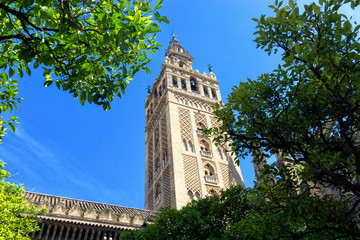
73	219
182	164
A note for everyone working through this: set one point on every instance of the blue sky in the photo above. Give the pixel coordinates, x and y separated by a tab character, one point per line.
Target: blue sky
63	148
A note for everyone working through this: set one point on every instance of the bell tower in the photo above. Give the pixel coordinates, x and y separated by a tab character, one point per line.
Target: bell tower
181	164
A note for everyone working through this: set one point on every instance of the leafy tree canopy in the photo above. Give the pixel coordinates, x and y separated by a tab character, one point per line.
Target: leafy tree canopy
88	48
264	212
17	218
307	111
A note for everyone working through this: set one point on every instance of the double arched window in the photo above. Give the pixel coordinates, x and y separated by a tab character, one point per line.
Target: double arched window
204	145
209	170
193	196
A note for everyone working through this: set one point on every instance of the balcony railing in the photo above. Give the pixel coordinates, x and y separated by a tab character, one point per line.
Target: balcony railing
211	179
205	153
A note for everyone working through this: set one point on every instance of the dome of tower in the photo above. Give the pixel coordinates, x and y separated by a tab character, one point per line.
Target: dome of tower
175	46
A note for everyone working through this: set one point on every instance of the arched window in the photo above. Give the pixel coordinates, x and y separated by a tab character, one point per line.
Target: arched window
174	82
213	93
157	166
155	94
158	193
185	145
151	108
183	84
191	195
191	147
197	196
193	85
181	64
209	170
204	145
200	125
213	192
206	93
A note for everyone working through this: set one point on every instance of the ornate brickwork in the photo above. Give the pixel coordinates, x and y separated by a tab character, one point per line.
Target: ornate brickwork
191	170
166	188
185	124
164	133
200	118
150	163
225	175
193	103
157	139
150	199
214	122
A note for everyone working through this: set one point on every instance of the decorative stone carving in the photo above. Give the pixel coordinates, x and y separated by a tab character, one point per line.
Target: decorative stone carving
138	221
124	218
59	209
75	210
107	214
90	212
191	171
185	125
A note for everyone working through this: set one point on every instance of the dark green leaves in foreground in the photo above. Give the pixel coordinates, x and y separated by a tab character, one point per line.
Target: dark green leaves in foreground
268	211
92	49
89	48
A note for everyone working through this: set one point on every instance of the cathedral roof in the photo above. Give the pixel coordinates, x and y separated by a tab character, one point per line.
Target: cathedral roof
68	210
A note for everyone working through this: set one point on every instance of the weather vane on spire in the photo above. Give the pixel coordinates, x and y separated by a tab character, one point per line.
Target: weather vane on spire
173	34
210	67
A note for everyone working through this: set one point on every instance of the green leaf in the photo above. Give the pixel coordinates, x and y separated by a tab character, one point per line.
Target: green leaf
347	25
11	72
291	3
164	19
158	4
12	127
48	83
356	28
316	9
